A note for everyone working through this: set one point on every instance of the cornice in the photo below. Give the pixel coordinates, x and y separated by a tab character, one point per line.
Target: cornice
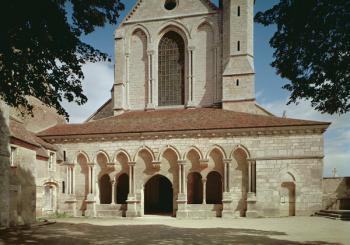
211	133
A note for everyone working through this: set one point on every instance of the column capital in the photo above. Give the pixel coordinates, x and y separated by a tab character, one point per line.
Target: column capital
250	160
132	163
191	48
151	52
182	162
91	164
227	160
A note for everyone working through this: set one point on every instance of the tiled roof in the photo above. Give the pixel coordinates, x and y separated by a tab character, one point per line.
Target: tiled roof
175	120
18	131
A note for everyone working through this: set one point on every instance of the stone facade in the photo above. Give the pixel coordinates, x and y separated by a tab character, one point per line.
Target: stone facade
136	156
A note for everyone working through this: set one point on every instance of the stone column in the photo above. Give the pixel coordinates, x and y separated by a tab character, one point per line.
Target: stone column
90	200
68	179
132	202
204	191
190	102
182	196
113	183
227	200
127	77
251	198
150	103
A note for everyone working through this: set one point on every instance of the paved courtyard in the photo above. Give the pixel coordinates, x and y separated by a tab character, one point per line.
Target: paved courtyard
164	230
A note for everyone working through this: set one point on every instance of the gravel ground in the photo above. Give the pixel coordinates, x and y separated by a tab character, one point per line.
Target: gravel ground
164	230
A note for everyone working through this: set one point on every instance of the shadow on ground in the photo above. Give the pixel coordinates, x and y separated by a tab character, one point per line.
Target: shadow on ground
64	233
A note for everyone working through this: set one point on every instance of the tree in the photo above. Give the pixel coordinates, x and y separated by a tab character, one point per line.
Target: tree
312	50
41	53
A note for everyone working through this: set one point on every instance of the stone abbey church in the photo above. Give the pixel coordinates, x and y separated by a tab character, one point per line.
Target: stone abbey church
182	134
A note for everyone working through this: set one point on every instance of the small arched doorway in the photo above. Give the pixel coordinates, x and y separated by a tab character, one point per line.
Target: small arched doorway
194	188
158	196
288	199
122	189
214	188
105	189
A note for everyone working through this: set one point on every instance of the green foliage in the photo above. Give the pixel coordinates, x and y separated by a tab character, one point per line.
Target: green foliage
41	53
312	50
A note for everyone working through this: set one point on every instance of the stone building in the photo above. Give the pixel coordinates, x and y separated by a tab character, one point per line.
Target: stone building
182	133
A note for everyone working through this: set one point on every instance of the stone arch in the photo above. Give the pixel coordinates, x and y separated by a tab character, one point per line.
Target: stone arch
241	147
216	147
212	25
193	148
138	75
144	29
194	157
81	187
288	194
158	195
103	153
175	26
122	151
169	147
240	178
121	159
145	148
81	153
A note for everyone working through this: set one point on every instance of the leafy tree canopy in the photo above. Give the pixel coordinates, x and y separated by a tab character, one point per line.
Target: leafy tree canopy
41	53
312	50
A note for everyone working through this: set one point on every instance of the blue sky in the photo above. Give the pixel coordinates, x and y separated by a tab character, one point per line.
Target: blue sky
99	79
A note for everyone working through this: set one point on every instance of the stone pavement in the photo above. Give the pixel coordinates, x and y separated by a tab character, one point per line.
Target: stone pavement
164	230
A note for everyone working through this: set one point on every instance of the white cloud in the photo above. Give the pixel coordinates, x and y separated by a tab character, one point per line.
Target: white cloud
97	85
337	137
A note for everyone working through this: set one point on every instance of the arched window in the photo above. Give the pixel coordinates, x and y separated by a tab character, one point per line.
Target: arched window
171	72
214	188
194	188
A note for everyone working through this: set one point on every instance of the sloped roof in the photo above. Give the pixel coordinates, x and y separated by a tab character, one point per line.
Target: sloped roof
18	131
175	120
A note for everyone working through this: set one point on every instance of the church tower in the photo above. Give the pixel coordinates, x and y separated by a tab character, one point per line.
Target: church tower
238	55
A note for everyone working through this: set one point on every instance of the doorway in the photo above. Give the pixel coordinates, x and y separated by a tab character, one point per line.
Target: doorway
158	196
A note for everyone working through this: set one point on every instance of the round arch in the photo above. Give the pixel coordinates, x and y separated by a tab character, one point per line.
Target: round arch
123	152
158	195
176	27
212	26
103	153
240	147
82	153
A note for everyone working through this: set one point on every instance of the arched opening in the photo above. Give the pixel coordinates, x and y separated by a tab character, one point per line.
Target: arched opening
105	189
171	70
194	188
214	188
288	198
158	196
49	198
122	189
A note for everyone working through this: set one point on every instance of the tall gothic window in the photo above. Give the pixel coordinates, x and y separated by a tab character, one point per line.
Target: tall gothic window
171	85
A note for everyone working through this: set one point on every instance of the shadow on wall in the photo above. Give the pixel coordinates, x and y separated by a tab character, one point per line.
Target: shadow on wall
22	196
61	233
4	169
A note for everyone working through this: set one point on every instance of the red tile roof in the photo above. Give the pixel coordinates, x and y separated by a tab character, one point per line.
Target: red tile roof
18	131
175	120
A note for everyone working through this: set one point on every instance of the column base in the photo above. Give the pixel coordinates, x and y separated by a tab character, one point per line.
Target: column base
150	106
227	206
90	209
132	208
72	206
251	206
190	105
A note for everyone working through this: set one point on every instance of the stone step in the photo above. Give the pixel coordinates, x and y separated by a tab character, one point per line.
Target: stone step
110	207
334	214
109	213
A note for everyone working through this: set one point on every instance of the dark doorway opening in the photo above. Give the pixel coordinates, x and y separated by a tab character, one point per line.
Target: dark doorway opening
122	189
158	196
